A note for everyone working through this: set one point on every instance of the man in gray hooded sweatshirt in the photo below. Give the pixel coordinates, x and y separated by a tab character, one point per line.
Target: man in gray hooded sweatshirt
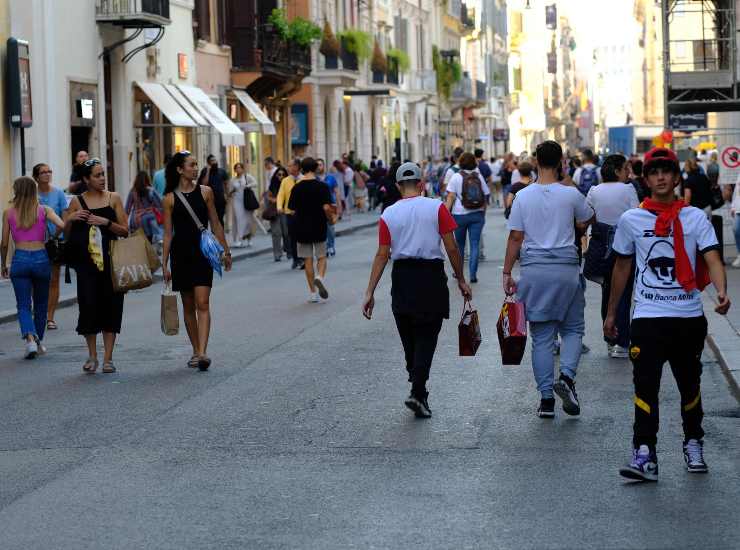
542	237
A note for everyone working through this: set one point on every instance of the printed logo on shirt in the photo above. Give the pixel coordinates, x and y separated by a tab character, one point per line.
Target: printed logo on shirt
659	270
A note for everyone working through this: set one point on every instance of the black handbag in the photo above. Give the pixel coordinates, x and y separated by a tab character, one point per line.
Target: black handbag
55	250
250	200
716	200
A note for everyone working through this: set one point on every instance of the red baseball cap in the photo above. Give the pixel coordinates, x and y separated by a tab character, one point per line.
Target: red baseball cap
662	155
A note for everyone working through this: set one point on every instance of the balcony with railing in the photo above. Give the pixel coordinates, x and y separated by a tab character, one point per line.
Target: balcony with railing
481	92
133	13
422	81
264	50
463	92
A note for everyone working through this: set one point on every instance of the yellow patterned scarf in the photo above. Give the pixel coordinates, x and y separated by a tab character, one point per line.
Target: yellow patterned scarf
95	247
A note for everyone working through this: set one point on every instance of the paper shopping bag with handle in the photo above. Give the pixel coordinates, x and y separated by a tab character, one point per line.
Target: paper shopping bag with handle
469	331
130	269
169	319
512	331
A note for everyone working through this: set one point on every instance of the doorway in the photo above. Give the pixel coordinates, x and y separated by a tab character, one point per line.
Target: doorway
80	140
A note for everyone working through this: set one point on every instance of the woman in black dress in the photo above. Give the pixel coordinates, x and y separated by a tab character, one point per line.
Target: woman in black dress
101	309
189	271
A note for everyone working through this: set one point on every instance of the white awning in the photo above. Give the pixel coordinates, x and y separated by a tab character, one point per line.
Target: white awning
268	128
189	108
230	133
167	104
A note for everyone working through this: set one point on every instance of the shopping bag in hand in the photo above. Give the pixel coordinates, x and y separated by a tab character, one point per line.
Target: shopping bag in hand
512	331
469	331
169	318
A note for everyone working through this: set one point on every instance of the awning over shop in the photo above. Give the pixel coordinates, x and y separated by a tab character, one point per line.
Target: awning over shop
266	125
192	111
230	132
170	108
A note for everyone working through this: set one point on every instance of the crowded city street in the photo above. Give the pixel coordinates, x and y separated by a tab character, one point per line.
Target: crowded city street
297	436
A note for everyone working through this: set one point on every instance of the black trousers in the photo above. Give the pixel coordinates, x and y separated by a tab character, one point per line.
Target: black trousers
679	341
419	333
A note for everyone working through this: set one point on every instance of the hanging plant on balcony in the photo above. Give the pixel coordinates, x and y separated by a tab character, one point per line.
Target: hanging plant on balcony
329	44
303	32
401	58
356	42
378	64
449	73
279	23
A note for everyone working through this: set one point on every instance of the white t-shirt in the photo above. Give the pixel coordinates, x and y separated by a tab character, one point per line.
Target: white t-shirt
657	290
413	228
579	171
516	177
451	171
611	200
349	176
456	186
546	213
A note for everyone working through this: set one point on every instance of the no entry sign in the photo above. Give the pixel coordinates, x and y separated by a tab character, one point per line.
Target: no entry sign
729	165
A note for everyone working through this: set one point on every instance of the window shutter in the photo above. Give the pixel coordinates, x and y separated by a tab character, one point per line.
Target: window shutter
202	19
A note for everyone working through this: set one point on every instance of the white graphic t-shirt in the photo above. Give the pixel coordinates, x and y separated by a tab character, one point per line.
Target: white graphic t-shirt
657	290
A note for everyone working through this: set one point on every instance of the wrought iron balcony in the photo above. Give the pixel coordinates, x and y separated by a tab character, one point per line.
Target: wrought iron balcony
133	13
462	92
282	56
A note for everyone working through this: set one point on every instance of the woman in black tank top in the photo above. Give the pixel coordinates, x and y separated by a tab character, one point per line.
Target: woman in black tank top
101	309
189	271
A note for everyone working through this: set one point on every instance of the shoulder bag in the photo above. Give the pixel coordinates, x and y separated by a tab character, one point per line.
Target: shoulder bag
209	246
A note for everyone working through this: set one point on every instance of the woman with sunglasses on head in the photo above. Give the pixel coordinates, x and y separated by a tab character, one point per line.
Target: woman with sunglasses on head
189	270
54	198
26	222
101	309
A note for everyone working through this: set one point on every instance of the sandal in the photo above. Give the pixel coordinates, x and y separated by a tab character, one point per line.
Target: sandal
193	362
108	367
90	366
51	325
203	363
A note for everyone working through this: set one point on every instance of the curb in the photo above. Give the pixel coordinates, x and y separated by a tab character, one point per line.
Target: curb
722	360
12	315
723	339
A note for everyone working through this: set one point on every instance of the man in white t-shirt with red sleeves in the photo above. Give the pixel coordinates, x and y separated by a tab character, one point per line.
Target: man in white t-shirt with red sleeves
677	254
412	233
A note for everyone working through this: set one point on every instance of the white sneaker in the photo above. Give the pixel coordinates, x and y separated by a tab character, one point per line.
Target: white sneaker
313	298
618	352
42	347
249	244
32	350
237	244
736	262
319	282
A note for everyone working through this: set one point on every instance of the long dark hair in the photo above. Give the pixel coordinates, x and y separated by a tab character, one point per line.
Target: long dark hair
276	175
612	164
171	175
142	184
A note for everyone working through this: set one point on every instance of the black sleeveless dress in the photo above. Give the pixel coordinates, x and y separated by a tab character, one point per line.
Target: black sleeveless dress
188	265
101	309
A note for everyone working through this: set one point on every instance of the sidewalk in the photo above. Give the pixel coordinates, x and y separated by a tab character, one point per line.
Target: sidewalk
261	244
724	331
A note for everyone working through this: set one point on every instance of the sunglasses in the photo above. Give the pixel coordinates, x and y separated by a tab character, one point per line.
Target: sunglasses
92	162
183	153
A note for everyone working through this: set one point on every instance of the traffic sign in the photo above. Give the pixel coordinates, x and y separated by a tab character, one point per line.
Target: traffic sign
729	165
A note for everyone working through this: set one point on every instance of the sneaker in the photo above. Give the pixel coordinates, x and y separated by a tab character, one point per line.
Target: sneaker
331	251
643	467
618	352
736	262
481	257
419	406
32	350
566	390
693	454
313	298
319	282
249	244
546	408
41	347
584	349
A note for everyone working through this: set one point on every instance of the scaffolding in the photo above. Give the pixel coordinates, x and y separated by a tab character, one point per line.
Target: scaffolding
700	56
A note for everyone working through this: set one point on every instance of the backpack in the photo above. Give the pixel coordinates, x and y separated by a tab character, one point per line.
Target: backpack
472	196
589	178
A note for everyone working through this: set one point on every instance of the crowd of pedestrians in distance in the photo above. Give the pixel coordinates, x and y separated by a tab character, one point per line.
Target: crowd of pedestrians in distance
643	229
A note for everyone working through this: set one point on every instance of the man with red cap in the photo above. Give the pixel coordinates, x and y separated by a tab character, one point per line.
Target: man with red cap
677	254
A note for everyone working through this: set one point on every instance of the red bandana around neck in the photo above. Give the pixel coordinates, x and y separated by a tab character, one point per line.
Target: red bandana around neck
669	215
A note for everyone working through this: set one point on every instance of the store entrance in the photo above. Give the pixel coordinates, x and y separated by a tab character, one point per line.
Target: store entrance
80	140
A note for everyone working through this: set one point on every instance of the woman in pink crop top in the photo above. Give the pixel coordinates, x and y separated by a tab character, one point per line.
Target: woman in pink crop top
30	271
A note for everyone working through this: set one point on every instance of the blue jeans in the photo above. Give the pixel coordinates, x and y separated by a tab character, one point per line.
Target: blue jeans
30	274
330	237
470	223
152	229
737	232
571	331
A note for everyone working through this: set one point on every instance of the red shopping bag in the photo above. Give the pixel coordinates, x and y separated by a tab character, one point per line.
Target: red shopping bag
469	331
512	331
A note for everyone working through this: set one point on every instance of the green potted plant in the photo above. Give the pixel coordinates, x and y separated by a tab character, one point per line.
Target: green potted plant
449	72
329	47
401	59
303	32
356	46
279	23
378	64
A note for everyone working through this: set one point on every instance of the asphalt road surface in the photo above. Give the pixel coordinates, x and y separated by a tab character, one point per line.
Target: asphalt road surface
298	438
